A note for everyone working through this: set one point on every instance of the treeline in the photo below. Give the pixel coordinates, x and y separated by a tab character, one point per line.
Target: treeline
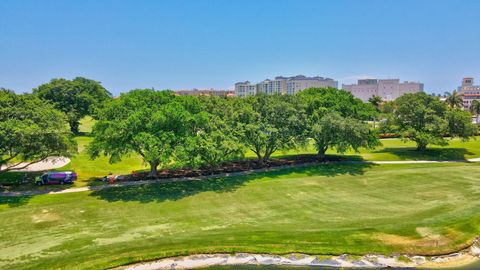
171	130
166	129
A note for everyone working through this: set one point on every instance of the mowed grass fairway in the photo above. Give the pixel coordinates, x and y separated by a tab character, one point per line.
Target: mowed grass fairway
324	209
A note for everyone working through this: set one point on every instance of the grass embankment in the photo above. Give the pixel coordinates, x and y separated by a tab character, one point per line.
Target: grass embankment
325	209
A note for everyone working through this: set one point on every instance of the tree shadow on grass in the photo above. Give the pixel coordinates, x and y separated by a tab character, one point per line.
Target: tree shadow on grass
410	153
15	201
172	191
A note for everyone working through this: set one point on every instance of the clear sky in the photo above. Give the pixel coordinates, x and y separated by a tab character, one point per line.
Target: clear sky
204	43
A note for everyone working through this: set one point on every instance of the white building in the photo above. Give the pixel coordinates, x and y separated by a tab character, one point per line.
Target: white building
388	89
244	89
469	92
300	82
283	85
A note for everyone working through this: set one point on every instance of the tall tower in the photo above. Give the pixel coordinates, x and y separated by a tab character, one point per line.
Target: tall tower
468	81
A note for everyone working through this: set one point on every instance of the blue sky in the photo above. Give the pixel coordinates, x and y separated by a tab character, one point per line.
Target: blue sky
205	43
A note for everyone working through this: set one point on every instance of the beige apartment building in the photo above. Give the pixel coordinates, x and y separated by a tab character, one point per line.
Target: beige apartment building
469	91
245	89
283	85
387	89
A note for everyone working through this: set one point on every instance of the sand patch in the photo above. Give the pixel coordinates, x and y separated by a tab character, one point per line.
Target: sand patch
134	234
214	227
45	216
428	239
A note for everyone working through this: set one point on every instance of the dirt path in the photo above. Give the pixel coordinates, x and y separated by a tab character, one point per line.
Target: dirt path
183	179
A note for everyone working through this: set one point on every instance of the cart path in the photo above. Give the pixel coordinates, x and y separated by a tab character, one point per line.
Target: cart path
184	179
49	163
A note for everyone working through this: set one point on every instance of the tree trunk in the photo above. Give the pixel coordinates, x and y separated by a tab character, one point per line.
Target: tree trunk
260	160
74	126
421	147
153	169
321	153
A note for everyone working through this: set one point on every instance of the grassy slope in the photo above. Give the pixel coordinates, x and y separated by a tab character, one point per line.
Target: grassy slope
430	208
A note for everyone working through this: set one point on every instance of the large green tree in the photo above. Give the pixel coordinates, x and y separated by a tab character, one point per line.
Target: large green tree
319	101
76	98
342	134
335	119
475	109
30	131
267	123
426	120
217	139
454	100
376	102
154	124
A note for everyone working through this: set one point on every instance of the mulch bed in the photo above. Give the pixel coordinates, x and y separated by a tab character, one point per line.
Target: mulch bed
229	167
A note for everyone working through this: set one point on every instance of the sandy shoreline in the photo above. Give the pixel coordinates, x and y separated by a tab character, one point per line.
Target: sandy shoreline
467	256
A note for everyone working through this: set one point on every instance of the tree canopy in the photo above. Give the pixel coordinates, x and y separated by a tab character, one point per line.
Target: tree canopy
475	109
267	123
76	98
341	133
454	100
319	101
154	124
334	119
30	131
426	120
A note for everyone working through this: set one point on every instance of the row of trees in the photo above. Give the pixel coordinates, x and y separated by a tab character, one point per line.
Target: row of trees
167	129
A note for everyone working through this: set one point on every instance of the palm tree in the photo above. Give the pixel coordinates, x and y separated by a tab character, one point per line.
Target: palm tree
475	109
376	102
454	100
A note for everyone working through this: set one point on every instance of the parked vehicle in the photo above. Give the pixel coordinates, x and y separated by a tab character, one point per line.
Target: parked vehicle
55	178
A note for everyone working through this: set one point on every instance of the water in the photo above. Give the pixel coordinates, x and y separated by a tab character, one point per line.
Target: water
474	266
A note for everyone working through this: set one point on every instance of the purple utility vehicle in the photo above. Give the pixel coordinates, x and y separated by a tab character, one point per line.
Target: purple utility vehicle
55	178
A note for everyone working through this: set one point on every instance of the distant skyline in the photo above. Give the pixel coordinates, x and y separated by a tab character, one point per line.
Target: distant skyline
214	43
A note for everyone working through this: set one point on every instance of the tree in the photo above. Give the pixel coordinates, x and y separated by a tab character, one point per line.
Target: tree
268	123
335	131
459	124
335	120
216	141
454	100
426	120
76	98
30	131
376	102
319	101
475	109
154	124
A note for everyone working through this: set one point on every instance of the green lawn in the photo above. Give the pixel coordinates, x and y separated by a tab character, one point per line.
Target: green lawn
88	169
325	209
396	149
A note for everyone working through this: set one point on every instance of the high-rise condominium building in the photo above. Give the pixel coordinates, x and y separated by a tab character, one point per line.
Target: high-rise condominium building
388	89
244	89
283	85
469	92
